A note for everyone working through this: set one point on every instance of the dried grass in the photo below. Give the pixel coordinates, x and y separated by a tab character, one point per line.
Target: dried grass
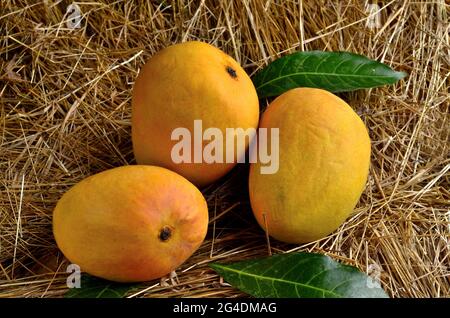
65	114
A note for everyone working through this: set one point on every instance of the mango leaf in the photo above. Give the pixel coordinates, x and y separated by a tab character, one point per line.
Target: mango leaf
92	287
299	275
332	71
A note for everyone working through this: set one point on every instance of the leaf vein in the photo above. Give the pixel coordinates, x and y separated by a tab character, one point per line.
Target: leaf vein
280	280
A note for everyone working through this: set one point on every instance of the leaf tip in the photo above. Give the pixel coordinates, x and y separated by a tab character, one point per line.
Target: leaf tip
400	75
214	266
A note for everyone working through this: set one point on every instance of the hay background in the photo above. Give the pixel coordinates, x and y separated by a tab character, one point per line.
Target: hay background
65	114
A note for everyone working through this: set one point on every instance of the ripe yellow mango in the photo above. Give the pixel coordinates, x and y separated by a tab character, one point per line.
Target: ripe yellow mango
130	224
324	156
186	82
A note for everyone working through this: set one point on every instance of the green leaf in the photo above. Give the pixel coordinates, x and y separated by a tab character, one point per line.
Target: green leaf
92	287
299	275
332	71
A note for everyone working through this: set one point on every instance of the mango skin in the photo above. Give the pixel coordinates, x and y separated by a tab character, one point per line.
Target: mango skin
111	223
323	166
182	83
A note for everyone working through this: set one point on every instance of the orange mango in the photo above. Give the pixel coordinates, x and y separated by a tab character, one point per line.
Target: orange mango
130	224
186	82
324	156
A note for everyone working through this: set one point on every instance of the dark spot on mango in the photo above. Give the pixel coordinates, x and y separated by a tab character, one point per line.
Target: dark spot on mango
231	71
165	233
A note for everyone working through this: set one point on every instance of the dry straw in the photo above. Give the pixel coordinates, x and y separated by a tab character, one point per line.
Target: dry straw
65	115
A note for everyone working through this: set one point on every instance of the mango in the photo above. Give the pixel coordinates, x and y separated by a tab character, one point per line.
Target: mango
130	224
183	83
324	156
